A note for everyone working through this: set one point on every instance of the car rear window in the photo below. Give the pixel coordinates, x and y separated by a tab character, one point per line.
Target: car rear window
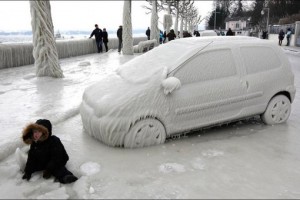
259	58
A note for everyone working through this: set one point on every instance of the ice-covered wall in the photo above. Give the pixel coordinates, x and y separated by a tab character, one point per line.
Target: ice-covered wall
145	46
14	55
20	54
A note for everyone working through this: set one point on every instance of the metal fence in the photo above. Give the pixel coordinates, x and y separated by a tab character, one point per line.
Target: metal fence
275	29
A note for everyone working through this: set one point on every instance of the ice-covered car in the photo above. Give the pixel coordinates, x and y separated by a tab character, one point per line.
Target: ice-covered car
208	33
189	84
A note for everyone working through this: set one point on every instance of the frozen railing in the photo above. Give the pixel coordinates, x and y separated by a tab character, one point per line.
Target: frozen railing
20	54
144	46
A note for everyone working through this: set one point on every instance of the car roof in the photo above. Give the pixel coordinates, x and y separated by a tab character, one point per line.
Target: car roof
192	45
169	56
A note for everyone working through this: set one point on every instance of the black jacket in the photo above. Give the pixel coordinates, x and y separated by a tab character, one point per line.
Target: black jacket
148	32
171	36
46	154
98	34
229	33
105	36
119	33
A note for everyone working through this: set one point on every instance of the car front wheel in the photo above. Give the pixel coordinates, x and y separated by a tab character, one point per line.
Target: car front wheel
278	110
146	132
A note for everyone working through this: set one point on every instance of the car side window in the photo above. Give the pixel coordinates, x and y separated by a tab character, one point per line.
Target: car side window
259	58
208	65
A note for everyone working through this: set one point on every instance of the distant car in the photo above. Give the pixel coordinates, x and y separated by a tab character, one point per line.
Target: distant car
189	84
208	33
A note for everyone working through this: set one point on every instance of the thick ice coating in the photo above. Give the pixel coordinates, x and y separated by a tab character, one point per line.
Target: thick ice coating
182	85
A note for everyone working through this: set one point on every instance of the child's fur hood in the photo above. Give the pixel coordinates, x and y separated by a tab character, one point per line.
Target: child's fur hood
28	132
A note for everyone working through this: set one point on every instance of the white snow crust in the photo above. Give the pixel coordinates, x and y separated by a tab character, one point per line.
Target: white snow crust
261	161
90	168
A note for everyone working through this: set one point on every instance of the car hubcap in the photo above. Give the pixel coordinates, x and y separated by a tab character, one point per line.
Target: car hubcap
280	111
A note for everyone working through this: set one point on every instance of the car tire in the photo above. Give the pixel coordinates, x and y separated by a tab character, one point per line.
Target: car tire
278	110
146	132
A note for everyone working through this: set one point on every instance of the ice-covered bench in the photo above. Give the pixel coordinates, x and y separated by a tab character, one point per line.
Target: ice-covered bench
144	46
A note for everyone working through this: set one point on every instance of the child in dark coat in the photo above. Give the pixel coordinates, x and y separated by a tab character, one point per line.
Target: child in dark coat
46	153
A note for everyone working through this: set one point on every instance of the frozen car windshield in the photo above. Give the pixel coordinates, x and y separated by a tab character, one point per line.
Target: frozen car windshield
159	61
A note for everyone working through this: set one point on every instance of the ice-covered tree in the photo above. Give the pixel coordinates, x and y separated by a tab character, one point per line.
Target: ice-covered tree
168	21
127	29
44	46
154	34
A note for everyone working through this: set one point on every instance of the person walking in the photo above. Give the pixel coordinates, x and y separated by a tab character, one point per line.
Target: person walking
171	35
165	36
46	153
148	33
265	35
229	32
119	35
161	37
288	36
98	36
105	38
280	37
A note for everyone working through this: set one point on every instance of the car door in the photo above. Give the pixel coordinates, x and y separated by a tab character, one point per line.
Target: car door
263	72
211	91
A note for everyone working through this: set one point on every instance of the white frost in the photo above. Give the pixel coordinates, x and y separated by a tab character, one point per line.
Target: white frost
268	160
212	153
82	188
170	84
60	193
21	158
90	168
171	167
198	164
84	63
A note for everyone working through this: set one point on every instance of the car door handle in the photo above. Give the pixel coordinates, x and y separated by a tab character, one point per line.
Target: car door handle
245	84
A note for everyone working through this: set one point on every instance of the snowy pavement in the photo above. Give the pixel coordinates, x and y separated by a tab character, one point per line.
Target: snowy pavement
246	159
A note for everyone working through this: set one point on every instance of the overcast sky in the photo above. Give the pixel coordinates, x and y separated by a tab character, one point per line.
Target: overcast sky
82	15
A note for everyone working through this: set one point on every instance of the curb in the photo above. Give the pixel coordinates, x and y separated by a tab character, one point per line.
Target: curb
291	49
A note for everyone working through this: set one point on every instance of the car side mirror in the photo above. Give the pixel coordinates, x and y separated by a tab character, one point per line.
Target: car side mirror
170	84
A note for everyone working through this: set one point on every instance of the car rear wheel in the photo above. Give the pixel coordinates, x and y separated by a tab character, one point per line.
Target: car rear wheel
278	110
146	132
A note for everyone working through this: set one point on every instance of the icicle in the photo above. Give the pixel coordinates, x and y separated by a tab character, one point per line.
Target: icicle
20	54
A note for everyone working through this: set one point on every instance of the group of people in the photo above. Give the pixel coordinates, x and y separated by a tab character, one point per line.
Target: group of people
162	35
101	38
281	36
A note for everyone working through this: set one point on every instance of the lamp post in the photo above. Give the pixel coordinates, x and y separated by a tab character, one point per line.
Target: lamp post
262	12
215	21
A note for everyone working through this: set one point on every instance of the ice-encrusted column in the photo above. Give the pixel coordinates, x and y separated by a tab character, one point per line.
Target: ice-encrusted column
44	47
168	22
154	34
127	29
297	34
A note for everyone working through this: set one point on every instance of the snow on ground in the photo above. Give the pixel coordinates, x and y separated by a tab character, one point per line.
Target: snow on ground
246	159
